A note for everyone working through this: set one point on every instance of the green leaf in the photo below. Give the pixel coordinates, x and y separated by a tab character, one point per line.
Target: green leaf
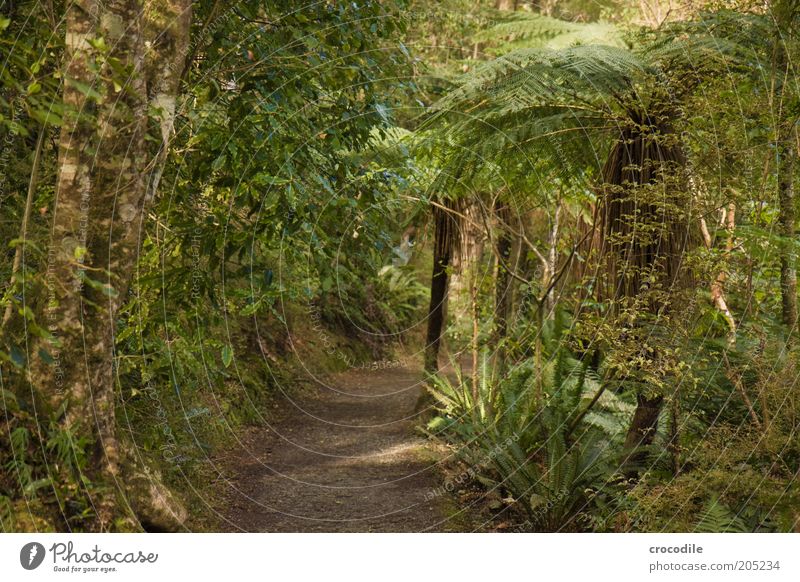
47	117
9	399
17	356
104	288
251	308
218	163
98	43
45	355
27	312
87	90
227	356
33	487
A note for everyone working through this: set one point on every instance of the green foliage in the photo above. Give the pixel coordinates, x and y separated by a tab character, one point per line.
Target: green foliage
529	433
716	518
541	98
400	292
7	514
528	29
29	77
44	470
275	198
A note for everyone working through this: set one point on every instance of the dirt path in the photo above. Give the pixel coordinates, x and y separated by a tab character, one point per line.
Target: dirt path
345	459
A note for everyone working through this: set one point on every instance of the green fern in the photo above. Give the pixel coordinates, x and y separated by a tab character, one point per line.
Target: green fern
529	29
17	463
7	514
67	450
717	518
560	106
524	446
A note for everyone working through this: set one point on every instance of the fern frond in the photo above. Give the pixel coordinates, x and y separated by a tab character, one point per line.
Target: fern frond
717	518
531	29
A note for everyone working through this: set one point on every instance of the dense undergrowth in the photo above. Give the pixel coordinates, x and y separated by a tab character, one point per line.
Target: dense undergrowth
548	438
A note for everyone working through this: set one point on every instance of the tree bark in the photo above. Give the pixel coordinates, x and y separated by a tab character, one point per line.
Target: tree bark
467	262
474	342
446	244
107	170
549	271
642	430
503	294
786	226
437	308
436	312
785	14
728	221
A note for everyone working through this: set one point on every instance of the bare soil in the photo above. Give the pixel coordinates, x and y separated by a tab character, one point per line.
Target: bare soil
345	458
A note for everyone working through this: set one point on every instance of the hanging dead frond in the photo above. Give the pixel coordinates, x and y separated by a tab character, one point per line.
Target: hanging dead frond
448	220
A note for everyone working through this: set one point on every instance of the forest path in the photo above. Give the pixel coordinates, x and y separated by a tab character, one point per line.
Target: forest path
345	458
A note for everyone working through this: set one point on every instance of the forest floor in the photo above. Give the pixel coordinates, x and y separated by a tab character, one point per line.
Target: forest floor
345	458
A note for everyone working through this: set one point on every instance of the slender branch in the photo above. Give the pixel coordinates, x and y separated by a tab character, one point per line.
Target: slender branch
32	184
736	379
563	269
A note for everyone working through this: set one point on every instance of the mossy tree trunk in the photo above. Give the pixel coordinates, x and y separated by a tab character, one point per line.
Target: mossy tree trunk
505	4
121	97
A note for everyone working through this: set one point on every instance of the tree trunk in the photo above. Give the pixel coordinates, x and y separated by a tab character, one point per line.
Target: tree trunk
642	430
466	264
107	169
728	221
474	342
643	241
549	270
786	222
785	13
503	293
447	242
436	312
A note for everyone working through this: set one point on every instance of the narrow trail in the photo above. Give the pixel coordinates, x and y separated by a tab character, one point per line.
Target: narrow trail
345	459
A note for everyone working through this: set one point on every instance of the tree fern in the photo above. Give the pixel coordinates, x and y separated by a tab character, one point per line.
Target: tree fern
528	29
562	104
